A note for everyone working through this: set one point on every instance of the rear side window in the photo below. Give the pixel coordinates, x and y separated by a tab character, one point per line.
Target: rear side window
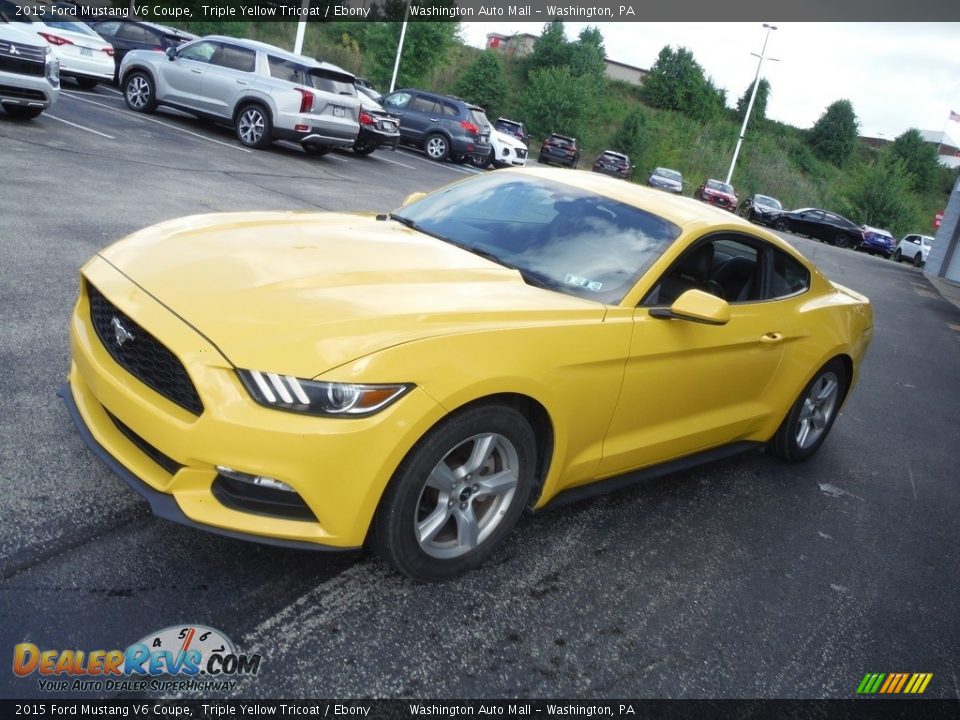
236	58
129	31
109	28
286	70
450	110
788	277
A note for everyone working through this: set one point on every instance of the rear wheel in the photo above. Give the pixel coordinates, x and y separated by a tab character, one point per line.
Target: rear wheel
364	148
437	147
782	225
253	126
896	254
841	241
918	260
22	113
457	494
811	417
139	92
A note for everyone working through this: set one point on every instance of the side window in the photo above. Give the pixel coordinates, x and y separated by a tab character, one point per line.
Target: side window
450	110
132	32
423	104
236	58
787	277
284	69
726	266
108	29
397	100
199	51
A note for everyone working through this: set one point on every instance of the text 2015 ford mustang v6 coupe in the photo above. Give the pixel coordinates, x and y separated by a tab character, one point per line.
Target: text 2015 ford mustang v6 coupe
418	379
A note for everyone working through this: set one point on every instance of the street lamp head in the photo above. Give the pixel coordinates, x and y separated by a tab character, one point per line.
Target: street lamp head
771	27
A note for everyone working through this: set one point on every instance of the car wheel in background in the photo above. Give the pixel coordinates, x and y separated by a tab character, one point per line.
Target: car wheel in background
918	260
139	93
437	147
364	148
811	417
896	255
22	113
457	494
253	126
782	225
841	241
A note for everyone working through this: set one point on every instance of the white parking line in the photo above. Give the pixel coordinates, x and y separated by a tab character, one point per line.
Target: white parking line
158	122
379	156
446	165
113	90
81	127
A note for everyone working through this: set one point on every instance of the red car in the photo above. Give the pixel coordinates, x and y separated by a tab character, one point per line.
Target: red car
717	193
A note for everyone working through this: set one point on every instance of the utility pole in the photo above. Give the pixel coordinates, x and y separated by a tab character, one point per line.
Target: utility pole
403	33
753	96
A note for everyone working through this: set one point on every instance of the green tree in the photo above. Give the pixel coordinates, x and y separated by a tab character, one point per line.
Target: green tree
834	135
426	46
919	157
880	195
759	111
588	56
483	83
555	101
677	82
551	49
632	137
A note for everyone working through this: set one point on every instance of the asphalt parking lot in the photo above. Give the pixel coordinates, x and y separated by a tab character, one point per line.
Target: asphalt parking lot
748	578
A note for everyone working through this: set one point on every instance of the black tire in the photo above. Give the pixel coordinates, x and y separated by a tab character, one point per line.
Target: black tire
817	416
23	113
364	148
316	150
139	92
541	160
896	255
918	260
87	83
253	126
437	147
782	225
841	241
462	522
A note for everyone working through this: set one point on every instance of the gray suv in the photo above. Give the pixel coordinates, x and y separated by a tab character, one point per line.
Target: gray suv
444	126
265	92
29	74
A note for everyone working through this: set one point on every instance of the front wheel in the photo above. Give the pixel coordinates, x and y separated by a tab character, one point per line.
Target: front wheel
811	417
139	92
918	260
253	127
457	494
841	241
782	225
437	147
896	255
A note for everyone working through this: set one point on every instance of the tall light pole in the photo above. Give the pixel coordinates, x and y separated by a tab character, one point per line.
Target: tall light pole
403	32
753	96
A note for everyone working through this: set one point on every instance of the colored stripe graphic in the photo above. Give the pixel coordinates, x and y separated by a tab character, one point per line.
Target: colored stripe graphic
894	683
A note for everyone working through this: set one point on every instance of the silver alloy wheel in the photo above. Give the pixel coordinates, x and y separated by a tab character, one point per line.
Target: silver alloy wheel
251	126
466	495
138	92
436	147
817	409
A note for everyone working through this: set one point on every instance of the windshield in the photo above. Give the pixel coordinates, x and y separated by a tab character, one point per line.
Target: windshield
668	174
722	187
768	202
559	237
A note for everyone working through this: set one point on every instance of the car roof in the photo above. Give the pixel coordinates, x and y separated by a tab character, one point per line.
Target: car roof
563	137
614	153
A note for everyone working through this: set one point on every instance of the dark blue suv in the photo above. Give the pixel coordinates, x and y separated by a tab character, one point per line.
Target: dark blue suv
444	126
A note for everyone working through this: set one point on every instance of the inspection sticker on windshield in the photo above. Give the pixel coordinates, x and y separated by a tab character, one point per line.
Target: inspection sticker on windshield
583	282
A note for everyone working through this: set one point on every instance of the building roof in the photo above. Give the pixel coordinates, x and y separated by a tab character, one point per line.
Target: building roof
939	137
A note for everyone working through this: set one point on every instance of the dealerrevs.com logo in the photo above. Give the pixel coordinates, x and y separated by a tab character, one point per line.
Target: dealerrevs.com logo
177	658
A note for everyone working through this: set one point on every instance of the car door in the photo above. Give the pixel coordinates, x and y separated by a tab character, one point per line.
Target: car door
809	222
397	104
691	386
182	77
231	71
422	114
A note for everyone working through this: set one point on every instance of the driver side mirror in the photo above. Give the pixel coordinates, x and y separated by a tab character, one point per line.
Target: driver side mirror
696	306
171	53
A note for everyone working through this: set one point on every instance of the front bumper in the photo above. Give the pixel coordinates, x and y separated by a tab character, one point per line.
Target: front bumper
338	467
27	90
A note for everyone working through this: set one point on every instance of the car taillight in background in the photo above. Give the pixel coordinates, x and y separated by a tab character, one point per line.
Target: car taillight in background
306	100
367	119
54	39
469	127
108	51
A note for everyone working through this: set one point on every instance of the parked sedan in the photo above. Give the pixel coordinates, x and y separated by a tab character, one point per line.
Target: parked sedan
820	225
265	92
378	128
84	56
877	242
560	150
666	179
717	193
127	35
611	162
914	248
761	209
417	380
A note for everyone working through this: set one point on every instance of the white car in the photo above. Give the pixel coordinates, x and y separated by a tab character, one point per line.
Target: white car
29	74
84	56
505	151
914	248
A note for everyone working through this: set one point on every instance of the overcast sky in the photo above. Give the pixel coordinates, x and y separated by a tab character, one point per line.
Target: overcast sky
897	75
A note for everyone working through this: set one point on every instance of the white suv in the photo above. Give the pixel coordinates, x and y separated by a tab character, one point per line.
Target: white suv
29	74
265	92
914	248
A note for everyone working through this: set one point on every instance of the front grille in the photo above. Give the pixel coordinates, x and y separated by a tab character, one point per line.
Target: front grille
19	51
164	461
141	354
247	497
521	153
9	91
21	66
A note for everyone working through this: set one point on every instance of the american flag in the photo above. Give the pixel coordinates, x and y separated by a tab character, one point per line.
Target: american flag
954	116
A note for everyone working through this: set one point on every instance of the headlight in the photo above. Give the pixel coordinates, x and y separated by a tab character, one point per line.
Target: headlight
285	392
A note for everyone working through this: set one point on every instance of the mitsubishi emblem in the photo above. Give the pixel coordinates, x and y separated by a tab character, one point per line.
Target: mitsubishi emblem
13	49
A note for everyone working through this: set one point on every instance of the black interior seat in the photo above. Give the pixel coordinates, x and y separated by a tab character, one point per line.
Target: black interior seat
692	272
736	278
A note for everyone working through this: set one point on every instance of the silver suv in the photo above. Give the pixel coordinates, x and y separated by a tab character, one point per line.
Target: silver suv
29	74
265	92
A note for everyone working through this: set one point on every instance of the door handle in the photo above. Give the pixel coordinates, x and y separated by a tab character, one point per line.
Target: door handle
433	120
242	82
771	338
198	71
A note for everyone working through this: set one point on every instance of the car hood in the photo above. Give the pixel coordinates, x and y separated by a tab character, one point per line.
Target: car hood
301	293
665	181
504	139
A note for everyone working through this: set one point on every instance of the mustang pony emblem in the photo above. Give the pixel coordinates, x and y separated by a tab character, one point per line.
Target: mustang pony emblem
120	333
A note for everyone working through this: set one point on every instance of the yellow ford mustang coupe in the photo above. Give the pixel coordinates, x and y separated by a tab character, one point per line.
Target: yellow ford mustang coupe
416	380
